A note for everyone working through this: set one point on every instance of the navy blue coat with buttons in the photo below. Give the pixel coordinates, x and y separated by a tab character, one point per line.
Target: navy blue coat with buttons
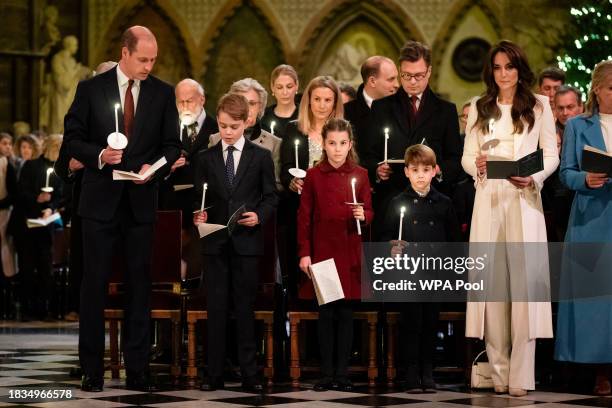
427	219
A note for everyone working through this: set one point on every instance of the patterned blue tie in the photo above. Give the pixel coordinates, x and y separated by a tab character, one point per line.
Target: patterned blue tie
229	166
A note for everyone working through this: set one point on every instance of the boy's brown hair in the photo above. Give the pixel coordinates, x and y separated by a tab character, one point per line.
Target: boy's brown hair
235	105
420	154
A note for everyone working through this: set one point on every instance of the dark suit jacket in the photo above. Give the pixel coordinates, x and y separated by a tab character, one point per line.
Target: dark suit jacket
171	200
436	121
33	178
91	119
254	186
358	112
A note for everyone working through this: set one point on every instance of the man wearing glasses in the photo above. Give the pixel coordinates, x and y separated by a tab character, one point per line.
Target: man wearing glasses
414	114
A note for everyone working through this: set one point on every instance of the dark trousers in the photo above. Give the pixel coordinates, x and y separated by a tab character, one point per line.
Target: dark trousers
75	262
99	239
35	271
335	323
418	334
225	275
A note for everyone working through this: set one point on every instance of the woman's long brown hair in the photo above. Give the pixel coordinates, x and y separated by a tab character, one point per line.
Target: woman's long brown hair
524	100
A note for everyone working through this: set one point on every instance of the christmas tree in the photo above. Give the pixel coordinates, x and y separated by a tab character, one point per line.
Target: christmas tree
587	43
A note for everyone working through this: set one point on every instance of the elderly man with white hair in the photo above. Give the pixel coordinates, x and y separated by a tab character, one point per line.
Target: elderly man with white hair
195	128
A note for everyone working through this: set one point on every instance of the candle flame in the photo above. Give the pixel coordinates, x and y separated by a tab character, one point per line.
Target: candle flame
273	123
297	142
117	106
402	210
387	132
205	186
353	181
49	170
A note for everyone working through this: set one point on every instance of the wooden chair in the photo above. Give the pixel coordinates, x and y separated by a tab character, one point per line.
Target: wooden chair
166	290
264	312
295	368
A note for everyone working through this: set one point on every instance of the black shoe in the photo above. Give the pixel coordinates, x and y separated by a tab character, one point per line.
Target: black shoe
252	384
344	384
323	384
212	384
140	382
92	384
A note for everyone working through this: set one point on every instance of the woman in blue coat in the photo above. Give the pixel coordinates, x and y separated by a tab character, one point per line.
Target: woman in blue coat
584	326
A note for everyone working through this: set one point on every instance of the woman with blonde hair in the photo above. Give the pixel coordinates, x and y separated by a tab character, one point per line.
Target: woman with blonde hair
583	325
321	101
284	85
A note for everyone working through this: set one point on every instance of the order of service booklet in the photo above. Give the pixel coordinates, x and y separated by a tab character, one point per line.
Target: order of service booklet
326	281
523	167
596	161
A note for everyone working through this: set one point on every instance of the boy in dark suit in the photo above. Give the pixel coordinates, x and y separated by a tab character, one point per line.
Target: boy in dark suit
430	217
237	173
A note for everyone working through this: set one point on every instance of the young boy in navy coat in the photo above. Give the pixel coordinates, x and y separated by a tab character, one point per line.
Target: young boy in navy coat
430	217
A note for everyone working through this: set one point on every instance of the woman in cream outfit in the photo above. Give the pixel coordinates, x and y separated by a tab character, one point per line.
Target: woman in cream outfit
510	210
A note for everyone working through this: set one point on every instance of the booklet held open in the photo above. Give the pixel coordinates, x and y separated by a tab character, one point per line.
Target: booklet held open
596	161
523	167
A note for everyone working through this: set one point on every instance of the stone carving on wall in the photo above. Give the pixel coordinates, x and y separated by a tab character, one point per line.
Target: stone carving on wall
60	86
469	57
428	15
344	64
239	53
51	34
197	14
351	47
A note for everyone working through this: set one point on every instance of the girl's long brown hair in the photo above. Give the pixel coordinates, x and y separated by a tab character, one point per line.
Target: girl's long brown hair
339	125
524	100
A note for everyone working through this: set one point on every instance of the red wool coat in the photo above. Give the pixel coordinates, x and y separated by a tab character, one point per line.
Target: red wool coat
326	227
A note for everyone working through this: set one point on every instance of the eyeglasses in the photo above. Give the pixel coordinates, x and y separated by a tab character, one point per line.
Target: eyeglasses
407	76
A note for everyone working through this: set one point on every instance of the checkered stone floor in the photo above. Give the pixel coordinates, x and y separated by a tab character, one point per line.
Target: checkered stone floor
46	365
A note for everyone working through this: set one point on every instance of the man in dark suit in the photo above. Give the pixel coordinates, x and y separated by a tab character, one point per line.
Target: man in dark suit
196	126
121	211
379	76
237	172
414	114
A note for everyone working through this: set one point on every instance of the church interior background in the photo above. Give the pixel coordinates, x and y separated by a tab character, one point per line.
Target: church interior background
46	47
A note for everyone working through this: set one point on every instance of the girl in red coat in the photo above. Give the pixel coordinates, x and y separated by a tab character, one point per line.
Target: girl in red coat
327	229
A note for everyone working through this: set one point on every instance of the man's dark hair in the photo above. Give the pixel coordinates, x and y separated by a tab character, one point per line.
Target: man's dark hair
565	89
553	73
413	51
348	89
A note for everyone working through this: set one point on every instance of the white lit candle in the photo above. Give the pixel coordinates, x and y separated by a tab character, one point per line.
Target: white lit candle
181	130
272	127
204	188
117	106
49	171
386	142
353	182
402	211
297	143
